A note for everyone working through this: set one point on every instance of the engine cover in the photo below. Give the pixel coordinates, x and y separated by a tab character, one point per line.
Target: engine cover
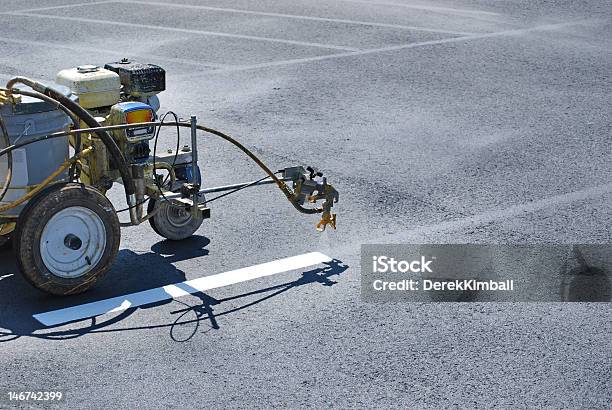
139	80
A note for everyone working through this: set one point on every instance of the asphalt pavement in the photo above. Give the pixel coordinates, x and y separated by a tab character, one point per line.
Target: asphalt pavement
438	122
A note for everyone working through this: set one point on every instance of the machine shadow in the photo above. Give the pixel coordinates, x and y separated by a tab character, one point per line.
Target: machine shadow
19	301
130	273
205	310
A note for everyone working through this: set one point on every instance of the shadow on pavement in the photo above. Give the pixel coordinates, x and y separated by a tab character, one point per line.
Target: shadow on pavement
205	310
131	272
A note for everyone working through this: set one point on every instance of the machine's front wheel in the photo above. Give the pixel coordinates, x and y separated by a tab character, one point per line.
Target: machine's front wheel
172	222
67	238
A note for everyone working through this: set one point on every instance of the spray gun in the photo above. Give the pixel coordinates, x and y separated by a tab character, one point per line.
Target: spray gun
310	185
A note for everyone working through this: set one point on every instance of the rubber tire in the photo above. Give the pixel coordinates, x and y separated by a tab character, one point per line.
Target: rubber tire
33	219
166	231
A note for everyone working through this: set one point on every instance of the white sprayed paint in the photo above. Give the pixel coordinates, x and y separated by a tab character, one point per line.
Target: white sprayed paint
146	297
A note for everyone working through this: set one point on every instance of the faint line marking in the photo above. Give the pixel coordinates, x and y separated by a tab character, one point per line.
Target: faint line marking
61	6
422	7
116	52
185	30
296	17
408	46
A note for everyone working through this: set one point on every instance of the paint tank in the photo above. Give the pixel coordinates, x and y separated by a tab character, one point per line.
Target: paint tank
27	119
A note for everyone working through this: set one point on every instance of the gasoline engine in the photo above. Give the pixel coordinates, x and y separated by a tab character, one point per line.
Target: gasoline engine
64	145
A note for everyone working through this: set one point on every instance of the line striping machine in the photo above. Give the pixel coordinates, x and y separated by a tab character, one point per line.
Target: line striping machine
64	145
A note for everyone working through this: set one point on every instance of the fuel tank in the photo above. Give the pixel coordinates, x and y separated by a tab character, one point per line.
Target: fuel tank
27	119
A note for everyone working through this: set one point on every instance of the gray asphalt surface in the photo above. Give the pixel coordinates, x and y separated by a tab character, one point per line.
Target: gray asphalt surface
499	137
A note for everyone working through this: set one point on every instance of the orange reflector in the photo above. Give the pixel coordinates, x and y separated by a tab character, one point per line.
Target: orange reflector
139	116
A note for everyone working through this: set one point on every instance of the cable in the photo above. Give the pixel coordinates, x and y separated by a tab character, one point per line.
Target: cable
155	165
79	131
113	150
13	147
170	169
9	173
127	208
250	184
282	186
57	105
178	145
39	96
47	181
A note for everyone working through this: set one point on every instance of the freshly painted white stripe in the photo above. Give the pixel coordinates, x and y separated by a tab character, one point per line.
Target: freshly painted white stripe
120	53
184	30
296	17
410	45
121	303
61	6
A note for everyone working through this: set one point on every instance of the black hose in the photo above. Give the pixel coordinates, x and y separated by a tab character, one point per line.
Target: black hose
113	150
57	105
283	187
40	96
178	144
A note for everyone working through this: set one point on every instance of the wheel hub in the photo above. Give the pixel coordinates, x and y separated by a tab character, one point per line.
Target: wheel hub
73	242
176	216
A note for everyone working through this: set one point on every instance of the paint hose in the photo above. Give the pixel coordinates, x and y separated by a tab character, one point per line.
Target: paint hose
113	150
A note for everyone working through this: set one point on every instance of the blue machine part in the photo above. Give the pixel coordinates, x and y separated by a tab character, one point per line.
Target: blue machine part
185	173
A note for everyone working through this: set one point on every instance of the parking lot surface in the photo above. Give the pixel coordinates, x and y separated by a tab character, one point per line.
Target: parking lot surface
461	121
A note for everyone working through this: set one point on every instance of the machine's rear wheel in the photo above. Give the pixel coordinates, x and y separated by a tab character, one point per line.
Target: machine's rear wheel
172	222
67	238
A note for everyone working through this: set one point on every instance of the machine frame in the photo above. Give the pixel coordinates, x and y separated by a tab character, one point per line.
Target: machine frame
188	197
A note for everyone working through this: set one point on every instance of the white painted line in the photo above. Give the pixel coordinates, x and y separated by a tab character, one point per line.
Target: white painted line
296	17
62	6
6	276
505	213
422	7
407	46
121	303
429	232
184	30
114	52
